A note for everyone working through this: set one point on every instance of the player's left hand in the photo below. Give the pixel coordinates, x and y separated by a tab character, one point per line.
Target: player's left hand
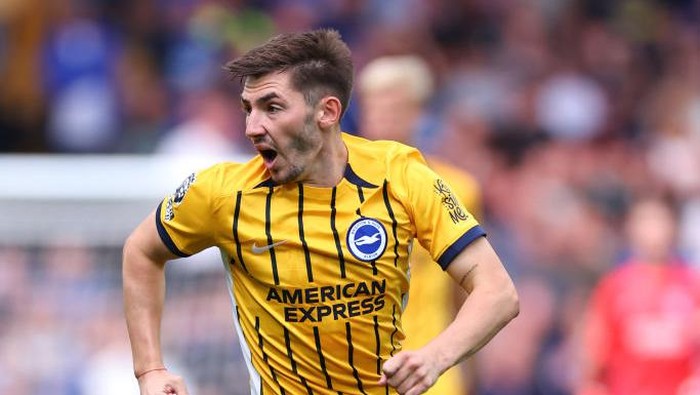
410	372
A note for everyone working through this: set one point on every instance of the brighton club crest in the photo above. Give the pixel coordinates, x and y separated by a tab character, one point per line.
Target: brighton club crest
366	239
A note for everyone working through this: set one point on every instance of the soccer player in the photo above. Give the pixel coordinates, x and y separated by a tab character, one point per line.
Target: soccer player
315	232
641	328
393	92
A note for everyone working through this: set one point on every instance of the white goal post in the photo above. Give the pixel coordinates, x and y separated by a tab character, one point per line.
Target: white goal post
95	200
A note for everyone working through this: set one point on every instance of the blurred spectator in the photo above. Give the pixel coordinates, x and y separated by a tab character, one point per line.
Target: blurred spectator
107	362
690	231
571	106
79	59
15	296
211	127
144	101
509	365
641	329
22	26
393	93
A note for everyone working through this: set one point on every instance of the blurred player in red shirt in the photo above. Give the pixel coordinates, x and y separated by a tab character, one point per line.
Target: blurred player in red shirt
641	330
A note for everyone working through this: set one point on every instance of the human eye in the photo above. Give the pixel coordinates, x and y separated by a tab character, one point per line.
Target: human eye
246	109
274	108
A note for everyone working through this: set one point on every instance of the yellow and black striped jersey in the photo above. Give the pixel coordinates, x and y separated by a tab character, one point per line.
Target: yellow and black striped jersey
433	301
318	276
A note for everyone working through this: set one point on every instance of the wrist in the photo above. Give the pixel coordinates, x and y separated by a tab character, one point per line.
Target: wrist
139	374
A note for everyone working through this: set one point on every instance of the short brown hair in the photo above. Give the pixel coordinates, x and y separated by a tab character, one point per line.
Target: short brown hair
319	63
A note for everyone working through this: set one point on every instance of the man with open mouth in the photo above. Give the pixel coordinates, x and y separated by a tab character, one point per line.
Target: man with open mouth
315	234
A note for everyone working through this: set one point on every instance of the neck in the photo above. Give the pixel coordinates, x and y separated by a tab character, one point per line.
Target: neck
329	166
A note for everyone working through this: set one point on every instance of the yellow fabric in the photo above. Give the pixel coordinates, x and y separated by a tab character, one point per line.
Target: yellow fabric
431	305
316	299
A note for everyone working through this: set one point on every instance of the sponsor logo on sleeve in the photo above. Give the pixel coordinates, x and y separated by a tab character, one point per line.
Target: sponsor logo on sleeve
176	198
366	239
450	202
169	213
182	189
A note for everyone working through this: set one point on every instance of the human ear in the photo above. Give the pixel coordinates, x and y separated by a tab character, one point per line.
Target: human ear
329	111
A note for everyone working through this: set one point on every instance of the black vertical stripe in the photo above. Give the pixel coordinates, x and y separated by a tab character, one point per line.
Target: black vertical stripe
361	196
238	315
265	358
306	385
396	329
236	213
377	343
257	325
394	224
293	363
288	343
268	224
338	248
321	359
300	216
351	352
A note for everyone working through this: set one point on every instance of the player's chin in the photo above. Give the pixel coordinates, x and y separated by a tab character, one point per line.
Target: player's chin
280	176
286	174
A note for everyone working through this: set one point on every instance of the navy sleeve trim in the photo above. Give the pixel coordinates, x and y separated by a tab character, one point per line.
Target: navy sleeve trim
165	237
452	251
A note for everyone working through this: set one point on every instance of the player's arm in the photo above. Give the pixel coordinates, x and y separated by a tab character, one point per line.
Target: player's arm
143	273
491	303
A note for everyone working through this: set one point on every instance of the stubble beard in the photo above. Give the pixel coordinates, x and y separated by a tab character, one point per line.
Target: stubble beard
307	141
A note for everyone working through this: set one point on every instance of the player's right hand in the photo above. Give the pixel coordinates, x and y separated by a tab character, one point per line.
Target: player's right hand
410	372
162	382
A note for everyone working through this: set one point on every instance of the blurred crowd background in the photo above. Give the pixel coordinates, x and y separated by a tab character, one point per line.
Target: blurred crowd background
565	111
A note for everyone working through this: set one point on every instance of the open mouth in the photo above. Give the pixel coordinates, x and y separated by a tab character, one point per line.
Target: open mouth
268	155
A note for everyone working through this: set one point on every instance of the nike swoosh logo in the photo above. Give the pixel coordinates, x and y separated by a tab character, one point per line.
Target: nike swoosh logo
261	249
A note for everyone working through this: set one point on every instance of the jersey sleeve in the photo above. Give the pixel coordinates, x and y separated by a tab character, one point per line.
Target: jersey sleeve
183	218
463	185
443	225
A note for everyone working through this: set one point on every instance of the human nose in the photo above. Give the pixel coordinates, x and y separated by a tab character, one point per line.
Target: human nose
254	125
